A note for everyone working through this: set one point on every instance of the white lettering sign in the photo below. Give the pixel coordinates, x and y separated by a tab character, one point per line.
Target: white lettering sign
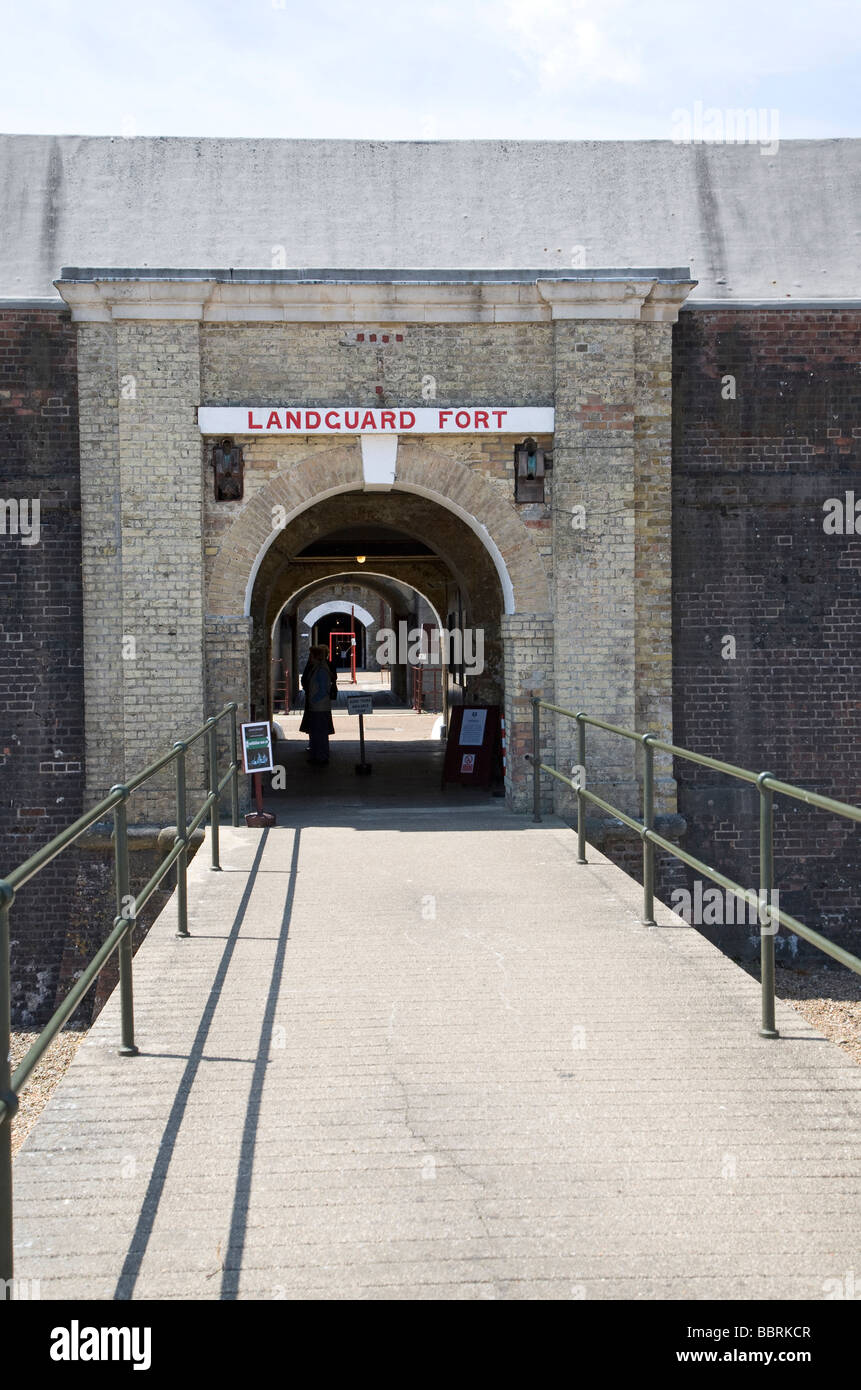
278	419
360	704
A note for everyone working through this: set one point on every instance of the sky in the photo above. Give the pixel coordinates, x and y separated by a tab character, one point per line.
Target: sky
465	69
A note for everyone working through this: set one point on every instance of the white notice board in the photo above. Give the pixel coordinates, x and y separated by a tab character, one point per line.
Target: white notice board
472	728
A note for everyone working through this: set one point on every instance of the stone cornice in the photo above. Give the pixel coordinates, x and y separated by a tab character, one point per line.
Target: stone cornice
465	297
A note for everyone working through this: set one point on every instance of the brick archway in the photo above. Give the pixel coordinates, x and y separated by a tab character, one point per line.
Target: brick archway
427	470
295	588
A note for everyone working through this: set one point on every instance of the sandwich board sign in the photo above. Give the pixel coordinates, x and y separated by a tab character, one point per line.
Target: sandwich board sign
471	747
257	747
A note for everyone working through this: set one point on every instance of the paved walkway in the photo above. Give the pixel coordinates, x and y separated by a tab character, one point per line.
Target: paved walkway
407	765
428	1056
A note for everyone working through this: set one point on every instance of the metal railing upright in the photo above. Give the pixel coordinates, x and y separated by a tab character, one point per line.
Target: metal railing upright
119	938
771	916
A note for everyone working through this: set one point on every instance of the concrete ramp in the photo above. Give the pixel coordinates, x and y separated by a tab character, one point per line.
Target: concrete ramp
430	1056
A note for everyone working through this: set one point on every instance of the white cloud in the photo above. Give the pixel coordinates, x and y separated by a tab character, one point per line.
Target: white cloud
568	43
451	69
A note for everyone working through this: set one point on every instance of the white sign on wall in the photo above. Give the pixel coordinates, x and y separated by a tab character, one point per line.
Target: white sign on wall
280	419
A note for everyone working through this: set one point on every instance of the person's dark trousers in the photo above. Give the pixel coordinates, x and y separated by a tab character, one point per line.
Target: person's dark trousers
318	735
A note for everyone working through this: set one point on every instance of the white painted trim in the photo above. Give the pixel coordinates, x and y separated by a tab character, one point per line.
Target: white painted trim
379	461
337	606
649	300
835	305
474	525
350	576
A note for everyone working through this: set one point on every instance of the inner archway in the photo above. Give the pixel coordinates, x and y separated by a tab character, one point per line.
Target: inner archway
335	633
420	573
409	541
373	604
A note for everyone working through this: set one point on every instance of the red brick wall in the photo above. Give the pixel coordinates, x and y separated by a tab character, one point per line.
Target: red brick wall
751	560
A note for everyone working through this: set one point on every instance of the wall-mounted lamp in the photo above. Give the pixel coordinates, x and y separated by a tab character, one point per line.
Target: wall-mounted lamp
360	559
529	467
228	465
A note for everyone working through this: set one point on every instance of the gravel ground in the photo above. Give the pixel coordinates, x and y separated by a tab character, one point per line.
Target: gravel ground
828	998
37	1092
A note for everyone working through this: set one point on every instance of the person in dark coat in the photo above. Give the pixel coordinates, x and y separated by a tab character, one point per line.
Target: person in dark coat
320	684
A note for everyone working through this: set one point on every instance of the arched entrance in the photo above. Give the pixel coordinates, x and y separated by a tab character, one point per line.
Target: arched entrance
414	544
376	603
442	530
334	633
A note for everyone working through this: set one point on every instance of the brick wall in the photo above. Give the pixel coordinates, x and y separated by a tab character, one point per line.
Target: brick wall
529	653
256	363
611	547
59	920
41	669
752	563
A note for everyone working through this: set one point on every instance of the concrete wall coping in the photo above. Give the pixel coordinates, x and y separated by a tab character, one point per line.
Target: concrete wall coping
396	275
96	296
717	305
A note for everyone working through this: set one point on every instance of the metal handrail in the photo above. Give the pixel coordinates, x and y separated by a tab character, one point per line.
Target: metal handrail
119	938
771	916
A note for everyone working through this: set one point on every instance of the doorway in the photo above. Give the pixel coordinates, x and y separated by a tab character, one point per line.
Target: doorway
339	625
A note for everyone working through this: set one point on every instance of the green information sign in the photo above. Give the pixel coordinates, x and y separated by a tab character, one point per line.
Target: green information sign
257	747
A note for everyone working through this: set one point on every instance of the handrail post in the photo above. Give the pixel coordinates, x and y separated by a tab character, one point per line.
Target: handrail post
581	800
121	875
766	894
6	1249
181	834
234	761
536	758
648	824
211	736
